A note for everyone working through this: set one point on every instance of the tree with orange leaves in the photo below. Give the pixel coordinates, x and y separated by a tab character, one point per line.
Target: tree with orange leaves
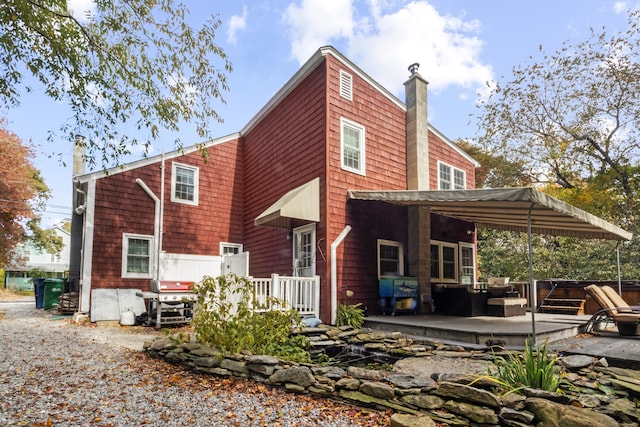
22	192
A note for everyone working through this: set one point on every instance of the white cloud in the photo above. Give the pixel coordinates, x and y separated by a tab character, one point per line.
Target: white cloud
237	23
384	39
620	7
316	23
80	8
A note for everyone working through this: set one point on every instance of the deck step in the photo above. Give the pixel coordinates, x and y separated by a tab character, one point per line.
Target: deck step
562	306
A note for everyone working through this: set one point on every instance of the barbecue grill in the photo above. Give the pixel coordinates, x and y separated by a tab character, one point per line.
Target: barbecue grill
169	302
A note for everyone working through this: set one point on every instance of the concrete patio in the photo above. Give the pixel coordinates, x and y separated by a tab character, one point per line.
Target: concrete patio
477	330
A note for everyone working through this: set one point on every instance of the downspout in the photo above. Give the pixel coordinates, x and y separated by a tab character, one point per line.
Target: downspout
161	219
156	225
334	272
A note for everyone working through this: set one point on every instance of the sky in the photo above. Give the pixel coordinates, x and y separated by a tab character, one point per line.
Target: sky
463	48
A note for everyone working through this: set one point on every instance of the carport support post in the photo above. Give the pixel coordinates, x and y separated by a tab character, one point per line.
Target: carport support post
532	285
419	253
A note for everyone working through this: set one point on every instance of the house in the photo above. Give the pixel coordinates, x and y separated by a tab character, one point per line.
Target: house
278	190
31	262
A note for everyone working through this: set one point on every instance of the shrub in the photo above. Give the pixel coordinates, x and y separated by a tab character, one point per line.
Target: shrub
350	315
230	319
534	368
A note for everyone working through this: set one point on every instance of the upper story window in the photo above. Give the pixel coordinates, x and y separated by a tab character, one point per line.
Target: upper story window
450	178
137	255
26	255
346	85
390	258
352	147
184	184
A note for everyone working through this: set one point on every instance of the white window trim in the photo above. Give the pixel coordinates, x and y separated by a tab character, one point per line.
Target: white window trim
125	251
348	123
196	180
400	255
456	262
452	170
474	266
230	245
346	85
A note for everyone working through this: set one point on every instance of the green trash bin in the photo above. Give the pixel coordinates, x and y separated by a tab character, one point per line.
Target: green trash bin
52	292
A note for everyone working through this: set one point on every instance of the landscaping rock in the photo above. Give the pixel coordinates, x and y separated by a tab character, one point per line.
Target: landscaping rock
576	361
376	389
299	375
552	414
478	414
450	384
407	420
366	374
468	394
424	401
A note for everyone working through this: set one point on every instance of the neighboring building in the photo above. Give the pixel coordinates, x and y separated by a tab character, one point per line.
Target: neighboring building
30	262
278	189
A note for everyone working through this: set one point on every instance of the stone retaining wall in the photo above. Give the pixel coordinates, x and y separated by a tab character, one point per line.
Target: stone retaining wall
594	394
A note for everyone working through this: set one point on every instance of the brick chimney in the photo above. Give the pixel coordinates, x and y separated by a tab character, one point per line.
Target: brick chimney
417	131
418	217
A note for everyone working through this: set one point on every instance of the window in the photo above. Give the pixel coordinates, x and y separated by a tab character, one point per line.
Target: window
230	248
450	178
390	258
184	184
467	264
352	146
55	258
444	261
137	256
26	255
346	85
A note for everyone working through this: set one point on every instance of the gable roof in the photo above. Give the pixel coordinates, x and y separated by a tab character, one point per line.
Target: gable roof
154	159
307	68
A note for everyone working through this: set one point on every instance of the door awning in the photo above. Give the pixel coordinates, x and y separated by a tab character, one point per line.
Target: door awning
505	209
301	203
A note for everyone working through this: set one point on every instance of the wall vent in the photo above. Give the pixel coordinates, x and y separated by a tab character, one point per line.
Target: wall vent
346	85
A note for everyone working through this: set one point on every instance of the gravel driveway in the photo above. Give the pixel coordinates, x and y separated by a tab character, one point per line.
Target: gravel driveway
55	373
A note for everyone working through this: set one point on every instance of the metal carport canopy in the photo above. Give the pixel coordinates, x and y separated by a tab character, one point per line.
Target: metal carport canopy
504	209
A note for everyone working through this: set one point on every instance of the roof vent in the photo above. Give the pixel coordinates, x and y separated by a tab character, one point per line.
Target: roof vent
346	85
413	68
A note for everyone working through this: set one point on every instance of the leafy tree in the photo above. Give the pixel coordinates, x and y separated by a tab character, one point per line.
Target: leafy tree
23	191
496	171
573	117
129	62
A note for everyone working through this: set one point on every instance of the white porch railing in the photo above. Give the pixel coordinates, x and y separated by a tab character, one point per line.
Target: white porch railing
300	293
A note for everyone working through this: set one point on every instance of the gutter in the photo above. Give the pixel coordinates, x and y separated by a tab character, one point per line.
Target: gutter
334	273
156	226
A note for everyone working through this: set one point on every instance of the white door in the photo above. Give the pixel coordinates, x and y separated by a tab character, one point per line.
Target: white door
304	251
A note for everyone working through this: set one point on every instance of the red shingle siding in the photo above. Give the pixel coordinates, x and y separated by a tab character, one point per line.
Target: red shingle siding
283	151
385	154
122	206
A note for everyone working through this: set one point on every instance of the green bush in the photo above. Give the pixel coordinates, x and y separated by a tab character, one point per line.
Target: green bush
533	368
230	319
350	315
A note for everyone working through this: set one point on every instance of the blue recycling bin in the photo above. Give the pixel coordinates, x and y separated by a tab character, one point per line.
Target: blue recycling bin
38	290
